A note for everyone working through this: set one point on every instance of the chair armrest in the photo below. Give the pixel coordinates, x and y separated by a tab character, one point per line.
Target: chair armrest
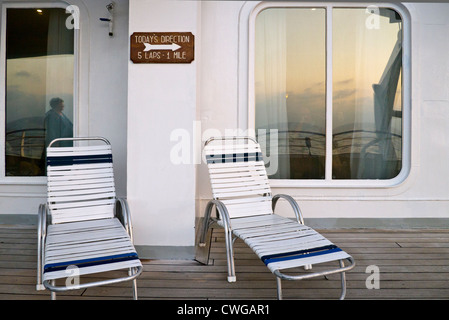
293	204
123	213
223	213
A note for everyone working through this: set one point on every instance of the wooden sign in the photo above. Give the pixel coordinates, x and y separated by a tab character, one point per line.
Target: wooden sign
162	47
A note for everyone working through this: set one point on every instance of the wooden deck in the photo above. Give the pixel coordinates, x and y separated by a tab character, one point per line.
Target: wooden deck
413	264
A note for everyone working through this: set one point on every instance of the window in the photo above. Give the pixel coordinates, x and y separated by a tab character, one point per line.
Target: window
39	86
329	92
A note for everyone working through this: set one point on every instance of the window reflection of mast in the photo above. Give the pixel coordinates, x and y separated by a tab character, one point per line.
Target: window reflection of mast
308	144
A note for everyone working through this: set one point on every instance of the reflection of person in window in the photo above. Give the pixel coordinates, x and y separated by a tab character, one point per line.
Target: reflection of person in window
57	125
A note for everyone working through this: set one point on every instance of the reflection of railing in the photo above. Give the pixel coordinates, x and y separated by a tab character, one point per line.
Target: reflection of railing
26	143
314	143
365	141
299	142
25	152
368	131
356	154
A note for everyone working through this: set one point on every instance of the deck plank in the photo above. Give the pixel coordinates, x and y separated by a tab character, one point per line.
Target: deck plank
413	264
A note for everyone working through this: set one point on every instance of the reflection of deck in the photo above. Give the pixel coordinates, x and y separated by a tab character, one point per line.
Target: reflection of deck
412	264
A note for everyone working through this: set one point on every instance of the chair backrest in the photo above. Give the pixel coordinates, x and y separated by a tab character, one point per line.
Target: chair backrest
238	176
80	182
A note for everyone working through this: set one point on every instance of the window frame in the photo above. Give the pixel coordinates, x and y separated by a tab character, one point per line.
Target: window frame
328	182
40	180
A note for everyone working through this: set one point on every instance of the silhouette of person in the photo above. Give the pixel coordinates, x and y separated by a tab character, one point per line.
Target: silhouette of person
57	125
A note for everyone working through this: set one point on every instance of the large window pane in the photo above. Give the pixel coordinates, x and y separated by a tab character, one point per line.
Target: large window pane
39	86
367	93
290	91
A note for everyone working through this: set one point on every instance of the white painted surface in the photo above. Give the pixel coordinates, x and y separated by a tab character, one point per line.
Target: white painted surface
161	99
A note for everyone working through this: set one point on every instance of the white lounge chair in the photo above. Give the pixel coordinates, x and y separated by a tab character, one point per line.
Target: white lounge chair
83	227
245	205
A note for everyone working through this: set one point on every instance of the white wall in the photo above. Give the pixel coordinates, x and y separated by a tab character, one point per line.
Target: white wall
108	90
161	100
220	87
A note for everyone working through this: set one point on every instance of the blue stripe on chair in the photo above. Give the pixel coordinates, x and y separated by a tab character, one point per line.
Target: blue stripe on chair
71	160
234	157
297	252
90	262
302	256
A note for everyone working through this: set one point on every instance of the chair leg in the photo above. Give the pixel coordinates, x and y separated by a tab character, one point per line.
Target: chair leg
134	282
203	231
230	256
343	281
135	289
53	294
279	288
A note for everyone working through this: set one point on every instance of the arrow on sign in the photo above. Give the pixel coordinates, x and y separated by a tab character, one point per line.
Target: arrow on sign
172	47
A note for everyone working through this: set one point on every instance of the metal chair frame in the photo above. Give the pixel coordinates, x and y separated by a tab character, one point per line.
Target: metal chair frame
226	222
121	212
